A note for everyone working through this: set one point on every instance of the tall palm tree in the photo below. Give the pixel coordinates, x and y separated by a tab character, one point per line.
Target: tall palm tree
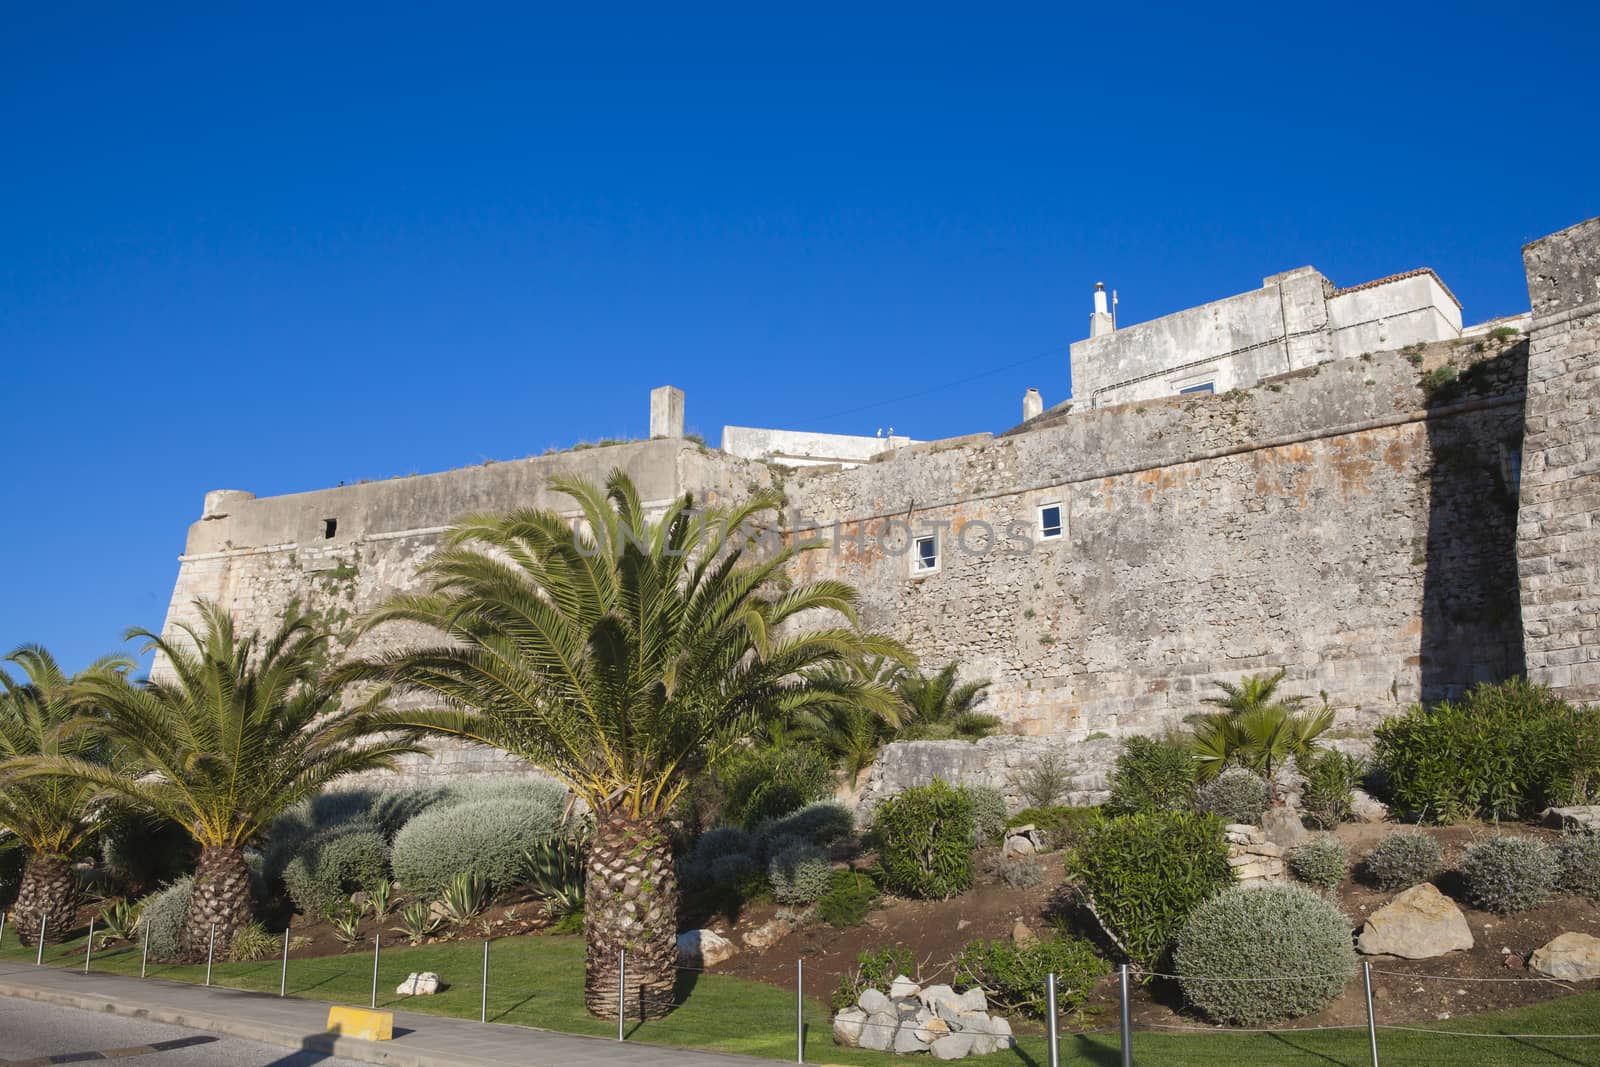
244	728
937	709
624	656
1257	727
50	817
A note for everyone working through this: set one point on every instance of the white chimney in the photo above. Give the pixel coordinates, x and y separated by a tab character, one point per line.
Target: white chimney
1101	322
1032	405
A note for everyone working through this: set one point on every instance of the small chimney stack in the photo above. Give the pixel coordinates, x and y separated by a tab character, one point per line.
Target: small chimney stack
1032	405
666	412
1101	322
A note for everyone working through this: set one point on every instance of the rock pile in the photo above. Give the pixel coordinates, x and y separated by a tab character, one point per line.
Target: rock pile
1253	858
1023	840
937	1020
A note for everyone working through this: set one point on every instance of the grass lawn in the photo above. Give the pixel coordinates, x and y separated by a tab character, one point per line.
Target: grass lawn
538	981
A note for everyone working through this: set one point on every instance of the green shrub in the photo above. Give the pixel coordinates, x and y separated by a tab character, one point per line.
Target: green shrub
1145	873
718	842
875	969
482	837
768	783
391	809
162	914
1331	780
252	943
1013	977
1580	863
799	874
821	823
1320	861
1290	945
1236	796
1020	872
988	813
1061	826
925	839
333	863
849	897
1152	775
1506	751
1403	859
1507	874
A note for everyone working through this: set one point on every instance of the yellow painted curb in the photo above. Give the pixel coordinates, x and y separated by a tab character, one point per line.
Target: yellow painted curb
359	1022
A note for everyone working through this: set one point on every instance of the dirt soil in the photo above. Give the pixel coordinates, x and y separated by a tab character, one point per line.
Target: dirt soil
1409	991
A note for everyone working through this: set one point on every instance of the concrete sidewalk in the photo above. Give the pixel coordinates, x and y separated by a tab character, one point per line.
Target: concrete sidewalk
420	1040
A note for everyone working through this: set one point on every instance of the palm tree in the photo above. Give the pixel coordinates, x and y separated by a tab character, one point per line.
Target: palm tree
243	729
1257	728
49	817
937	709
623	657
848	730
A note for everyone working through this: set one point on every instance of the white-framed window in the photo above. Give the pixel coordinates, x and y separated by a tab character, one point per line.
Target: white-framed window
1200	387
925	554
1052	521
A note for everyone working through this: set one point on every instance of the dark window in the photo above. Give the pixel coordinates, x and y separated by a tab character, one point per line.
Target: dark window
1050	521
329	528
1204	387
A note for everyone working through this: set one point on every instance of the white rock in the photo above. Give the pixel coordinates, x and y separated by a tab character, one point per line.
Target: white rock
425	984
1001	1029
952	1046
877	1033
847	1027
934	995
1571	956
1019	845
903	987
974	1000
1366	807
906	1040
705	947
932	1029
872	1000
766	935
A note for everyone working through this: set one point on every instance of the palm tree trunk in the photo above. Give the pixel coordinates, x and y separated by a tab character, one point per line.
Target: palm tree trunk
221	897
49	889
630	904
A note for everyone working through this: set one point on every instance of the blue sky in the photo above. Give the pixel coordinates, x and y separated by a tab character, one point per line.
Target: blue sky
274	248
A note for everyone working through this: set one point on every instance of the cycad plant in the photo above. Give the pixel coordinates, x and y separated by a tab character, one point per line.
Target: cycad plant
1257	728
229	733
624	655
936	708
49	816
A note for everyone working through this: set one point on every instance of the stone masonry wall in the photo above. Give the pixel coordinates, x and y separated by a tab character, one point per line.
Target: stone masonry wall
1559	532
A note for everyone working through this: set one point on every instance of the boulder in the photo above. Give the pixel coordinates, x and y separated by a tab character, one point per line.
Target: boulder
1572	956
1283	827
1019	845
934	995
1577	817
906	1041
903	987
766	935
847	1027
704	947
872	1001
932	1029
877	1033
1001	1031
1416	925
425	984
952	1046
974	1000
1365	807
1021	936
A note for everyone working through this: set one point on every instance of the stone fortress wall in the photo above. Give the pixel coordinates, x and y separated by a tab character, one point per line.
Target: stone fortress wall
1338	520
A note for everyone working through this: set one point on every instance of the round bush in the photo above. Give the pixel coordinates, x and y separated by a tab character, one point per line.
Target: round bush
1507	874
925	841
1152	775
800	874
821	823
162	914
1580	863
1403	859
722	841
1291	944
1320	861
730	869
484	837
1238	795
331	864
988	813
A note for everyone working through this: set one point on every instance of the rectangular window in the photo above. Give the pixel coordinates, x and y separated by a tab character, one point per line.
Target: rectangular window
925	554
1203	387
1050	524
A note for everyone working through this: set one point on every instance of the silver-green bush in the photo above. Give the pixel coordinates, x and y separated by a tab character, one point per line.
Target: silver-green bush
1403	859
734	867
700	865
988	813
1320	861
1507	874
482	837
163	913
1238	795
331	864
1580	863
800	874
1290	943
821	823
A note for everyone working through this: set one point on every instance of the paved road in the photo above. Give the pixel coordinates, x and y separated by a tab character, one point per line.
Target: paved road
31	1032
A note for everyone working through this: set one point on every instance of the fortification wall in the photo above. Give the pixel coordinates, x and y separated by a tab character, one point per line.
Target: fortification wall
1334	522
1559	533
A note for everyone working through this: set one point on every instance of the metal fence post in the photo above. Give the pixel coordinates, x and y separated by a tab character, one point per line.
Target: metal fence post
88	948
283	973
39	959
622	990
483	1002
144	956
1126	1024
2	927
211	951
799	1011
1372	1022
1050	1019
376	938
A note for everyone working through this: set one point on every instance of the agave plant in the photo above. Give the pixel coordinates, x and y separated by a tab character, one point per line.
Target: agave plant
119	921
252	943
417	922
554	870
465	898
380	898
346	921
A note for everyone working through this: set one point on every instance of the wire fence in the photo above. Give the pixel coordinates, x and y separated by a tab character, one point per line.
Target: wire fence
367	974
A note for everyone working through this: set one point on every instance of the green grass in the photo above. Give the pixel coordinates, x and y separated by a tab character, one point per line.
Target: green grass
538	981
